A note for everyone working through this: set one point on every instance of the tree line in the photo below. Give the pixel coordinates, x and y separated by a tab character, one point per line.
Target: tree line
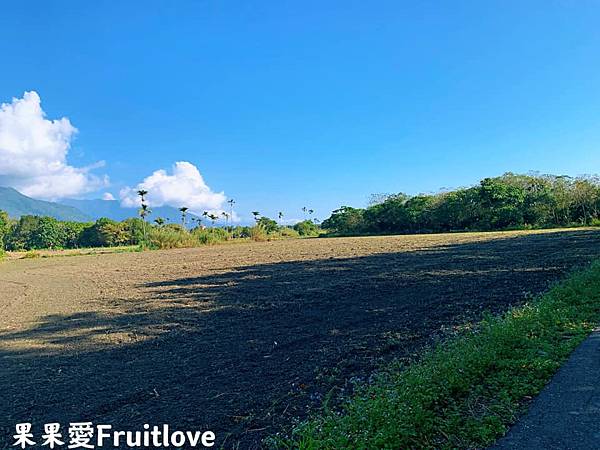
34	232
510	201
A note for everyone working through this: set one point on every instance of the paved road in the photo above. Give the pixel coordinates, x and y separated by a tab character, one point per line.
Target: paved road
566	415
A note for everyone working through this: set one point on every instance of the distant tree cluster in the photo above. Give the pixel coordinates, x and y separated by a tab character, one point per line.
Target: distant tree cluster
34	232
507	202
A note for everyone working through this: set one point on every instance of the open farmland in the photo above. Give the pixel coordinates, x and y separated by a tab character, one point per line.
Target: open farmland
240	339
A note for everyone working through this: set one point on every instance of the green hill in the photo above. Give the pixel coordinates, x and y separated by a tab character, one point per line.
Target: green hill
17	205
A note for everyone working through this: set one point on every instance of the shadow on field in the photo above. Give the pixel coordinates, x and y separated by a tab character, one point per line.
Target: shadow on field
243	352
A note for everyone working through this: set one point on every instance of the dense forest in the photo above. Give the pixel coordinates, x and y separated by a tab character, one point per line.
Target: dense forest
506	202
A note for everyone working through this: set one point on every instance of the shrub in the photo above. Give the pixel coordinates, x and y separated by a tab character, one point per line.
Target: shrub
240	232
207	236
268	225
47	234
306	228
104	233
22	234
288	232
134	228
167	237
258	234
5	226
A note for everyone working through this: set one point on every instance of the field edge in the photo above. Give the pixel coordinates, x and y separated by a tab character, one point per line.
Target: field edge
466	392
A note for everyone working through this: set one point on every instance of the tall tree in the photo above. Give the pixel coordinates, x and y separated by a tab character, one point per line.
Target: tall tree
144	212
231	203
183	210
142	193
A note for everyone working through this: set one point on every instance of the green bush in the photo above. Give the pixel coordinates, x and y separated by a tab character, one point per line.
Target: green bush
307	228
209	236
287	232
258	234
22	234
240	232
5	226
105	233
134	229
268	225
48	234
166	237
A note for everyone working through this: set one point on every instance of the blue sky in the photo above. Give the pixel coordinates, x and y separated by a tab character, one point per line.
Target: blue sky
283	104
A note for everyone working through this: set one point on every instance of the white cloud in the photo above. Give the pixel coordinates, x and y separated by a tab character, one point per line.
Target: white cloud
183	187
33	152
108	196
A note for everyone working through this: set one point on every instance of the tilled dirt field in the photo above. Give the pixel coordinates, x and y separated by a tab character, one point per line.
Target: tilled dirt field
242	338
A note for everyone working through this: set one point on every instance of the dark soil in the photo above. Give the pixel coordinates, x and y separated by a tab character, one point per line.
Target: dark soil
242	339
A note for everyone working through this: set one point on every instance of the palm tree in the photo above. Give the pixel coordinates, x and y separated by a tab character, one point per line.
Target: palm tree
224	214
213	218
256	215
231	203
183	210
310	211
144	212
142	193
159	221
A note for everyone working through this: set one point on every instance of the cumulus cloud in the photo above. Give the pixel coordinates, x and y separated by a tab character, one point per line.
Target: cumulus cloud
33	152
108	196
184	186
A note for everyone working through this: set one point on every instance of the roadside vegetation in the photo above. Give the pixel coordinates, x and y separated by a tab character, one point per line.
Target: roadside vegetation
465	392
503	203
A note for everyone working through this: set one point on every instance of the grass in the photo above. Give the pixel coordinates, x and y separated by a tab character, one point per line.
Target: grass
465	392
53	253
166	238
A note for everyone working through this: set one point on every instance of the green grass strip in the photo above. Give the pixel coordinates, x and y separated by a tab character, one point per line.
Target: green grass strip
464	393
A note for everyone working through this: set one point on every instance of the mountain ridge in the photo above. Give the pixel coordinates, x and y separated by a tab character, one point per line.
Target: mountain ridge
17	205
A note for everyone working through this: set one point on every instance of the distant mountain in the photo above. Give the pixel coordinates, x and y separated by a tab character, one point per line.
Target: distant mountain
113	210
17	205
